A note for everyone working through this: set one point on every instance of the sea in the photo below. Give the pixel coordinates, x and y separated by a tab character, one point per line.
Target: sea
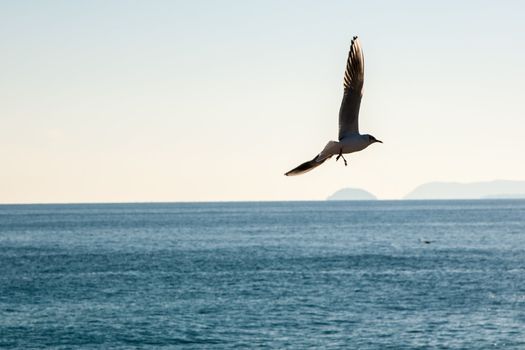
264	275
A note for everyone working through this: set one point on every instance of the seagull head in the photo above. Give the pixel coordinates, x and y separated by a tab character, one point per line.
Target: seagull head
372	139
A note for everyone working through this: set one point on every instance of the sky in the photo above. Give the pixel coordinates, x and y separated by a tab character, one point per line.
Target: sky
145	101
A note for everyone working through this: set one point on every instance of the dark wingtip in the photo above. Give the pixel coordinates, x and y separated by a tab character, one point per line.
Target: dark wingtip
305	167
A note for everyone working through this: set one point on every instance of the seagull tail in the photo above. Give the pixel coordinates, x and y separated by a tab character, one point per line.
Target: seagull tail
306	166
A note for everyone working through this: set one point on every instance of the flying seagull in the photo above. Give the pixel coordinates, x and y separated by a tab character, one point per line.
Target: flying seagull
350	140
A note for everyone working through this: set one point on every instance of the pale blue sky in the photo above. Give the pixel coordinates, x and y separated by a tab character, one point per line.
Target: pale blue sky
209	100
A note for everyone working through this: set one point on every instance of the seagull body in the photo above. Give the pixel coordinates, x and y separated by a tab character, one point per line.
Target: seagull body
350	140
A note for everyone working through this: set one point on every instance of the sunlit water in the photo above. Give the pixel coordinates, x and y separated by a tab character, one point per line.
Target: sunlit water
322	275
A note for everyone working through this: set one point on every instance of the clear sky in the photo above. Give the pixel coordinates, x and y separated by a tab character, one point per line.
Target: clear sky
214	100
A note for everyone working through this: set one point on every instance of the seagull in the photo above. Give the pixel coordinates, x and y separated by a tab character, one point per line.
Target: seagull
350	140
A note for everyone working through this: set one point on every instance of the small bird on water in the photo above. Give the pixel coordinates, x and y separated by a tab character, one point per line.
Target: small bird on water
350	140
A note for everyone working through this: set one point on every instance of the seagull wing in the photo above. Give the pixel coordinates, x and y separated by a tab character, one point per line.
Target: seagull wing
329	150
306	166
353	90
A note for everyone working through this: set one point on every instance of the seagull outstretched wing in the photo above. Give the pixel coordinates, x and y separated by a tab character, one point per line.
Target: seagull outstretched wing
329	150
353	90
306	166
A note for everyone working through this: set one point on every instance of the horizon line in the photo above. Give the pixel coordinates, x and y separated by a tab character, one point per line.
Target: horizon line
263	201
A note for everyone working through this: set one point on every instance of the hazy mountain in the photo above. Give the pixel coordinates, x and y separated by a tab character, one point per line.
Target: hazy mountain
473	190
351	194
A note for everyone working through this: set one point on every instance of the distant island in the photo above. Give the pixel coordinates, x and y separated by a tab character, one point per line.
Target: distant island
351	194
474	190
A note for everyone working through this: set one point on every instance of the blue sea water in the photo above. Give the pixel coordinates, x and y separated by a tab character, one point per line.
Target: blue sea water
294	275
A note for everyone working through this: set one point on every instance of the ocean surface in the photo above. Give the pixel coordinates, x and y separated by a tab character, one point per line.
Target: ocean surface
275	275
